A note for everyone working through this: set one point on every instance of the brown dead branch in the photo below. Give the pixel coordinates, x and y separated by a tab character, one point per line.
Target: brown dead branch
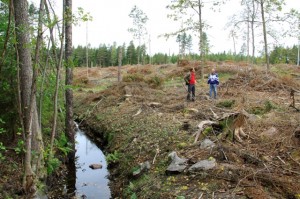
157	152
260	176
246	177
292	96
293	159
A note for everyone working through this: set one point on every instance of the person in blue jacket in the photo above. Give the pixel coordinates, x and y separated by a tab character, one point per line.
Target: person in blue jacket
213	81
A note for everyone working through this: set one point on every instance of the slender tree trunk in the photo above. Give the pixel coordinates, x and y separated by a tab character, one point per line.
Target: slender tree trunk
252	31
233	40
298	60
19	99
37	141
265	34
201	45
58	68
248	36
22	36
69	77
53	48
120	64
139	47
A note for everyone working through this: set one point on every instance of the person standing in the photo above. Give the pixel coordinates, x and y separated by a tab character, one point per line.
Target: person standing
190	80
213	81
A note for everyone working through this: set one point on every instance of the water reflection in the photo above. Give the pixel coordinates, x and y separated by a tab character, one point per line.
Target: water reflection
89	183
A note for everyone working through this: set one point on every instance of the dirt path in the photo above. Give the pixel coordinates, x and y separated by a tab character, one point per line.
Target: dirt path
146	117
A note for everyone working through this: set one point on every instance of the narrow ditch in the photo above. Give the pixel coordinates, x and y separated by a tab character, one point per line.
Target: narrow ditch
83	181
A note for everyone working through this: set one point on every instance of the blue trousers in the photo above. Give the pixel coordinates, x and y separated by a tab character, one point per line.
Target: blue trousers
213	89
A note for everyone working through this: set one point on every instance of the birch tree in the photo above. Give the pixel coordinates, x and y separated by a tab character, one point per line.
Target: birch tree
273	10
139	26
190	13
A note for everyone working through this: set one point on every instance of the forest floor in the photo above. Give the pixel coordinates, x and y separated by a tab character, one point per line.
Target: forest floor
146	117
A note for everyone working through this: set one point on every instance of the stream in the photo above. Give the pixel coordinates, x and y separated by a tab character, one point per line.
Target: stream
83	181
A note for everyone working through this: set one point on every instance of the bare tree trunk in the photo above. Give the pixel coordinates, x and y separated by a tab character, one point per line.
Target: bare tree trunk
139	47
37	141
58	68
120	64
252	31
248	36
19	100
69	77
265	34
53	47
233	40
22	34
201	45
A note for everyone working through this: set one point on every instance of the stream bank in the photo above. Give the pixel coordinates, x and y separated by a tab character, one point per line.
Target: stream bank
87	176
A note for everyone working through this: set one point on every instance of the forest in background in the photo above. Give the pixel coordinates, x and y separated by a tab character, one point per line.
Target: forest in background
106	55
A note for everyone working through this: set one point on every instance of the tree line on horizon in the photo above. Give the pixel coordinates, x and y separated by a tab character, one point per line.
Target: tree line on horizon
107	55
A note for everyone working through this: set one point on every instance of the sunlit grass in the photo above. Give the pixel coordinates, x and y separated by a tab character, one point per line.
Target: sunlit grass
174	82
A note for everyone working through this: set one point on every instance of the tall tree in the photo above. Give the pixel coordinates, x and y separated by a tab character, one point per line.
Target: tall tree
233	35
131	53
272	8
57	76
28	99
139	22
37	141
114	55
69	77
185	43
191	22
265	33
271	15
247	20
189	43
119	63
178	39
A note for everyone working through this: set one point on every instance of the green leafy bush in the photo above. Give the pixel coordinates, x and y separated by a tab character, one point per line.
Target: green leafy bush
53	164
62	144
113	157
20	147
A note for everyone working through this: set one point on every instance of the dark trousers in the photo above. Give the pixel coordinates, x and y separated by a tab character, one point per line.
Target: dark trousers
191	91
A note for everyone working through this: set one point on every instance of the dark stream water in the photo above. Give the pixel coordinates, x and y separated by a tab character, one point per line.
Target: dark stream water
89	183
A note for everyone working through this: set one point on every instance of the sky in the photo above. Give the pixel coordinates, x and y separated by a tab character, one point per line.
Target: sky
110	24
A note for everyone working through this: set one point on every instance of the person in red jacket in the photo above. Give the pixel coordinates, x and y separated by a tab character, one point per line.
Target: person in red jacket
190	80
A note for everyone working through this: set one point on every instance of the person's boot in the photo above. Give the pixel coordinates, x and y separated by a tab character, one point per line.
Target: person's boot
188	98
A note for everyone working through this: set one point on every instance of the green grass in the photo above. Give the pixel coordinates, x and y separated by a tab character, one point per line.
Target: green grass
174	82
